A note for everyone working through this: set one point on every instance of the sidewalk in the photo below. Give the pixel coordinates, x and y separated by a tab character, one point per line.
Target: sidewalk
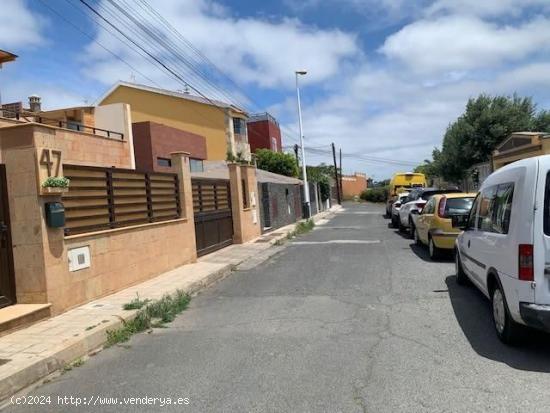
30	354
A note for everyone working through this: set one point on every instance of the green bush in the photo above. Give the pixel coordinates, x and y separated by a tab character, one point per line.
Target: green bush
277	162
56	182
375	194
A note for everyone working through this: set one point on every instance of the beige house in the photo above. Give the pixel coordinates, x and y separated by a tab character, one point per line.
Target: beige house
120	227
520	145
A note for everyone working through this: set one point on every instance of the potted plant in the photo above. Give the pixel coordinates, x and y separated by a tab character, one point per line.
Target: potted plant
55	185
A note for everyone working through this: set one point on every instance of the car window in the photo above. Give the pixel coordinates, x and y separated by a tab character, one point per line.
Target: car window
486	209
430	207
458	206
473	212
503	208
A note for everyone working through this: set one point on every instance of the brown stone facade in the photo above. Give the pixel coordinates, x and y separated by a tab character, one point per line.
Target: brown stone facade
154	140
353	185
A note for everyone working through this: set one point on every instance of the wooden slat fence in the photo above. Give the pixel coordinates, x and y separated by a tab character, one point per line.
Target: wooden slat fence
104	198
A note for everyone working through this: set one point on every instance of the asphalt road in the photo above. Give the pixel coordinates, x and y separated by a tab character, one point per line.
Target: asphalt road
349	318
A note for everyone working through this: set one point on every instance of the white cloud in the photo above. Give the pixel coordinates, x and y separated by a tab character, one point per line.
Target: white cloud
485	8
465	42
19	27
251	51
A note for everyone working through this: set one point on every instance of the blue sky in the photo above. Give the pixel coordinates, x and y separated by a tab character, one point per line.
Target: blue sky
385	76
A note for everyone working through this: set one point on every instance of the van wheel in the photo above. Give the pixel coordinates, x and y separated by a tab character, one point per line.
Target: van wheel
461	277
435	253
508	331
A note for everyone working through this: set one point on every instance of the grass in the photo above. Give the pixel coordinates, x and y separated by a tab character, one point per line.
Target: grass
301	228
152	314
76	363
135	304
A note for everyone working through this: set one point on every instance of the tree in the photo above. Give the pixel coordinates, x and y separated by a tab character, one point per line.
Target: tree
277	162
322	175
486	122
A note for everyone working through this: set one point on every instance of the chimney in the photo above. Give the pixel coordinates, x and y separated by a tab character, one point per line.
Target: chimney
34	103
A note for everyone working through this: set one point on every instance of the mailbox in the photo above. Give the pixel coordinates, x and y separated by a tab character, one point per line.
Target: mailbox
55	214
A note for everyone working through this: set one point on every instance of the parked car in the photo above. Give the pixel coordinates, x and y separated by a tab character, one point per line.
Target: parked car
396	206
416	200
434	225
400	182
505	247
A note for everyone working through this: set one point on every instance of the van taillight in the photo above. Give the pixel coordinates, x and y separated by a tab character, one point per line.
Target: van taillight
442	205
526	272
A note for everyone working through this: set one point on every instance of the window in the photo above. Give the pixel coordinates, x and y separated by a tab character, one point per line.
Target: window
430	207
239	126
274	144
547	206
486	209
458	206
164	162
473	212
196	165
503	208
495	207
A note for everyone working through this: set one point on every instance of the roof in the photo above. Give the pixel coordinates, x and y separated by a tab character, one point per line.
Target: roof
219	170
166	92
6	57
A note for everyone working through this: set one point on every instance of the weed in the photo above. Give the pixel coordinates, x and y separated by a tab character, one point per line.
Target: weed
279	242
76	363
135	304
151	314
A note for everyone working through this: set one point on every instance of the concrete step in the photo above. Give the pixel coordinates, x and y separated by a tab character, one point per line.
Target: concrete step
22	315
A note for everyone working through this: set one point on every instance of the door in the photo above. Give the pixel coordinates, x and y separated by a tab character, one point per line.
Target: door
212	212
7	279
424	221
265	206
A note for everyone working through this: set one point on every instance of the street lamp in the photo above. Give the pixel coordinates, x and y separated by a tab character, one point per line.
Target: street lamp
307	208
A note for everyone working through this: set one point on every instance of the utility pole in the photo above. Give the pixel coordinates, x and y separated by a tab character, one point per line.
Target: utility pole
296	154
341	186
307	206
336	175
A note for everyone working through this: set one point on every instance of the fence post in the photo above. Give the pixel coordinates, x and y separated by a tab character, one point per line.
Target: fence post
149	199
111	199
180	166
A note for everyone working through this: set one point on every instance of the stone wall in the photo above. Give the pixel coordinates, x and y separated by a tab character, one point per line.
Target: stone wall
280	204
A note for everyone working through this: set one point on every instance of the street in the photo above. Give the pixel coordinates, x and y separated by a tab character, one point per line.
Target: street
351	317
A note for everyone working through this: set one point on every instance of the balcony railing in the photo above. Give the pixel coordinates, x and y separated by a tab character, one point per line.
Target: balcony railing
32	117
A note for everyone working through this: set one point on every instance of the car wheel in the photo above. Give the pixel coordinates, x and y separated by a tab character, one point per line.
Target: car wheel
417	237
435	252
461	277
412	229
508	331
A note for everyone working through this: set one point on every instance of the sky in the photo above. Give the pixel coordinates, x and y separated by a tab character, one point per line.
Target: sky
385	77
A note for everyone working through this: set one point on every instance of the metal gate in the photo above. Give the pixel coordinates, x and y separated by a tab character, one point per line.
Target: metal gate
212	210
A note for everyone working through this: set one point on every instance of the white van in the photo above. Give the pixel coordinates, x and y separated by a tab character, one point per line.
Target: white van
505	247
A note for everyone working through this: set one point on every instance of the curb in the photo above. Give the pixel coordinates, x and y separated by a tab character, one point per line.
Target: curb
85	345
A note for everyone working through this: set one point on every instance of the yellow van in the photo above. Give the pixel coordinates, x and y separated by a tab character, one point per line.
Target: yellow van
403	181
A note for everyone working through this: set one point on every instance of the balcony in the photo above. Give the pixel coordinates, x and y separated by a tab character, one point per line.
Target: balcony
24	116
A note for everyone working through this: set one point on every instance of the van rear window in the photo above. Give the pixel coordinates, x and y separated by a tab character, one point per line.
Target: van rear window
547	206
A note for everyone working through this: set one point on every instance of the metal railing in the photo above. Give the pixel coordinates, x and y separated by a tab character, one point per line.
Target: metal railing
32	117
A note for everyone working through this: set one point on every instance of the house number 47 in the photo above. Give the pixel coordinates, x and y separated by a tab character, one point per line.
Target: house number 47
51	159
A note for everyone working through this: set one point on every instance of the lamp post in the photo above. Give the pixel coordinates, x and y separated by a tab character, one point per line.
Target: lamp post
307	208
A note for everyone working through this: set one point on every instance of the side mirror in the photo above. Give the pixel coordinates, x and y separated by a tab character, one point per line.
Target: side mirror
460	222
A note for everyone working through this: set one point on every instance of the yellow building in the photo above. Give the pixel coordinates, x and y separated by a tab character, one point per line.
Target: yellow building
520	145
223	125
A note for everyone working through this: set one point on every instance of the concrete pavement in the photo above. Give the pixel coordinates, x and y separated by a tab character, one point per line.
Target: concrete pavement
349	318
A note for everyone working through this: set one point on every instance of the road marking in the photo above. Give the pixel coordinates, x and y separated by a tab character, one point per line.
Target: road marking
338	241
